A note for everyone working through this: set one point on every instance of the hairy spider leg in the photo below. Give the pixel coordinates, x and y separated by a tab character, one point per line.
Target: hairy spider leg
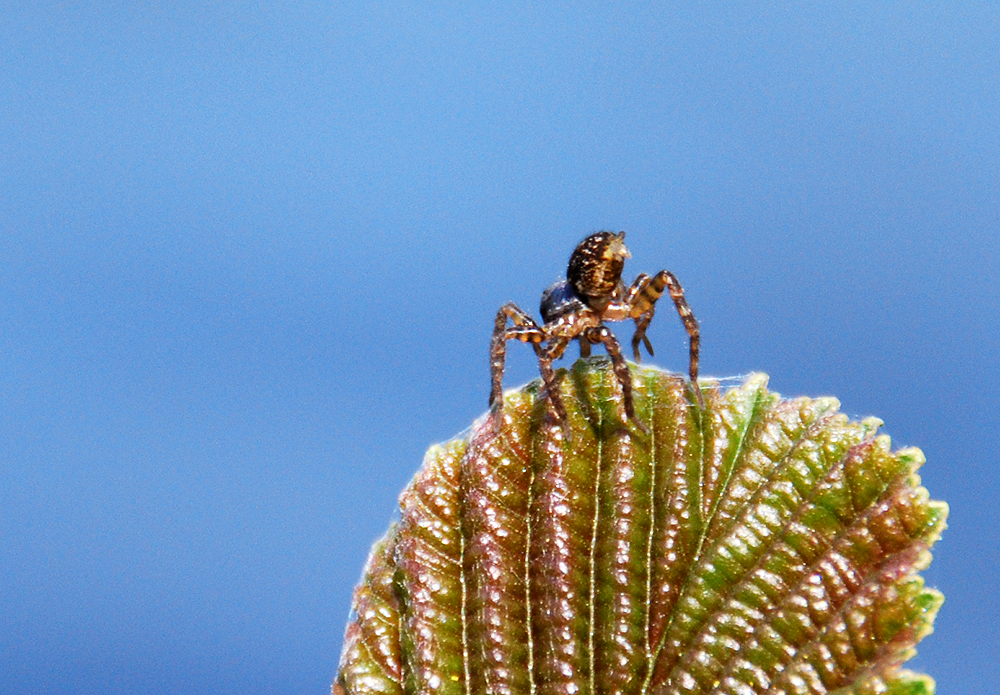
524	329
585	343
638	289
644	300
641	324
603	335
553	351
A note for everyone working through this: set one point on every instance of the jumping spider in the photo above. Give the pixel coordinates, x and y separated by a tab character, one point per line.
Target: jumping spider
576	309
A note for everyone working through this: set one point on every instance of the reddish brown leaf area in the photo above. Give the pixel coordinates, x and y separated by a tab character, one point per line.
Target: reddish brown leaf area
760	545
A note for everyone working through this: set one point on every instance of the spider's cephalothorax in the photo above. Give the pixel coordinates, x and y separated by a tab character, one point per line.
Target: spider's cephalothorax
576	309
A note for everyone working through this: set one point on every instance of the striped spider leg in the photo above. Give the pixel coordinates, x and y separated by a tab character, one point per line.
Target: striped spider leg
602	334
527	331
641	299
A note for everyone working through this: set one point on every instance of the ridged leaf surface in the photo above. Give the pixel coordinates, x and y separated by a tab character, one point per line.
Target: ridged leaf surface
761	545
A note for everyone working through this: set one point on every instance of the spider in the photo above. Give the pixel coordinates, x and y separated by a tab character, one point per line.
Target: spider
576	309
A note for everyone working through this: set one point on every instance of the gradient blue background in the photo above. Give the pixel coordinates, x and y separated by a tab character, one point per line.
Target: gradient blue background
250	255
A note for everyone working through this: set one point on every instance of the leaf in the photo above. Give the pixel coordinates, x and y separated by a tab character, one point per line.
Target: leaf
763	545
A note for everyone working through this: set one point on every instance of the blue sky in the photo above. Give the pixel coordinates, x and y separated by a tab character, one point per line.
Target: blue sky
250	255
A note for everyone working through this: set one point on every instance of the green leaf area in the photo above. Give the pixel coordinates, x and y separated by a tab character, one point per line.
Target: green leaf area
762	545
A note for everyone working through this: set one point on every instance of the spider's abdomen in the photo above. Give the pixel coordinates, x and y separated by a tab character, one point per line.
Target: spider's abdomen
559	300
595	268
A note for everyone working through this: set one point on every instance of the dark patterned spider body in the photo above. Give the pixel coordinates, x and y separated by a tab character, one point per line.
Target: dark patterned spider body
576	309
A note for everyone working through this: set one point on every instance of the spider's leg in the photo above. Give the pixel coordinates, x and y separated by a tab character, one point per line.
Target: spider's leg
645	301
641	324
524	329
622	373
554	351
637	288
638	294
